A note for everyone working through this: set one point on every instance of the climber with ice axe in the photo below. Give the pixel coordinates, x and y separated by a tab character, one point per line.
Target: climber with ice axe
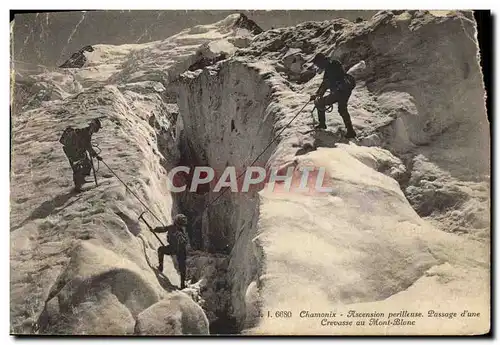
178	243
340	84
77	146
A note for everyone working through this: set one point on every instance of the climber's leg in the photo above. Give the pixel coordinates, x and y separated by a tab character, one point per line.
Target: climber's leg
321	104
162	251
342	107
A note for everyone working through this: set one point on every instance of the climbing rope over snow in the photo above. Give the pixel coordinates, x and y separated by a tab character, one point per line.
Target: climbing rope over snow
265	149
253	162
132	192
223	191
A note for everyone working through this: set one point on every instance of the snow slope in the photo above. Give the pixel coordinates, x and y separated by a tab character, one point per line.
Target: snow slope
62	243
364	242
405	227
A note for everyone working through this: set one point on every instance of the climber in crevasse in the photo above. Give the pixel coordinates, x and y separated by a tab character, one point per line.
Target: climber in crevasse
76	143
340	84
178	245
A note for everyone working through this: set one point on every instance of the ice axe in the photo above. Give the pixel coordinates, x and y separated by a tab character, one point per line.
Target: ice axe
141	217
93	169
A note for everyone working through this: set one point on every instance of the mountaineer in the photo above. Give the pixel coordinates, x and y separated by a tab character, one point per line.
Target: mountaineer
178	244
76	143
340	84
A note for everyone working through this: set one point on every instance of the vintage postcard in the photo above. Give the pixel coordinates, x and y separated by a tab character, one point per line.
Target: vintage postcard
249	173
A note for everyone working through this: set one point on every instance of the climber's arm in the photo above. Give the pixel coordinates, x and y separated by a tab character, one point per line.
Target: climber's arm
322	88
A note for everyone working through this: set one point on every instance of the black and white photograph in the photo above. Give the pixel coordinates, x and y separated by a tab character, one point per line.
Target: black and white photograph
249	173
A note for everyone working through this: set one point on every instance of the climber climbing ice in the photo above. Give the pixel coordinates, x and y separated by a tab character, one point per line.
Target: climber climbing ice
255	178
178	245
340	84
77	146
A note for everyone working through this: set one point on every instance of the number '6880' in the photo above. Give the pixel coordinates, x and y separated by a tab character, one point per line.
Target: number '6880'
283	313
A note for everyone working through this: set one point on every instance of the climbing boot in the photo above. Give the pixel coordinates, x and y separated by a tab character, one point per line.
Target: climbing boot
78	181
160	268
321	126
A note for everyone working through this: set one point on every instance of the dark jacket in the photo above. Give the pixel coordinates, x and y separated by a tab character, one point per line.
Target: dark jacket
334	78
176	238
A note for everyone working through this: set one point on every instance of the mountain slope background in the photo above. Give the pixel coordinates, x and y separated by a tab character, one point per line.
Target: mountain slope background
405	226
49	38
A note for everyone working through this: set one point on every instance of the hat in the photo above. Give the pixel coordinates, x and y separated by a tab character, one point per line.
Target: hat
97	122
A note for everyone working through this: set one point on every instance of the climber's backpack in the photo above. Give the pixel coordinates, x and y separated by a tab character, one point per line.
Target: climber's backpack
351	81
68	137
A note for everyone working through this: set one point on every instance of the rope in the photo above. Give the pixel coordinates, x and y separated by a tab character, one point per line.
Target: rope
312	114
141	217
256	159
132	192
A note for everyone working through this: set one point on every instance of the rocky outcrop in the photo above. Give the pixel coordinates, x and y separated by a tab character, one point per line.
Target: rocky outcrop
78	59
244	22
204	62
97	282
176	315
